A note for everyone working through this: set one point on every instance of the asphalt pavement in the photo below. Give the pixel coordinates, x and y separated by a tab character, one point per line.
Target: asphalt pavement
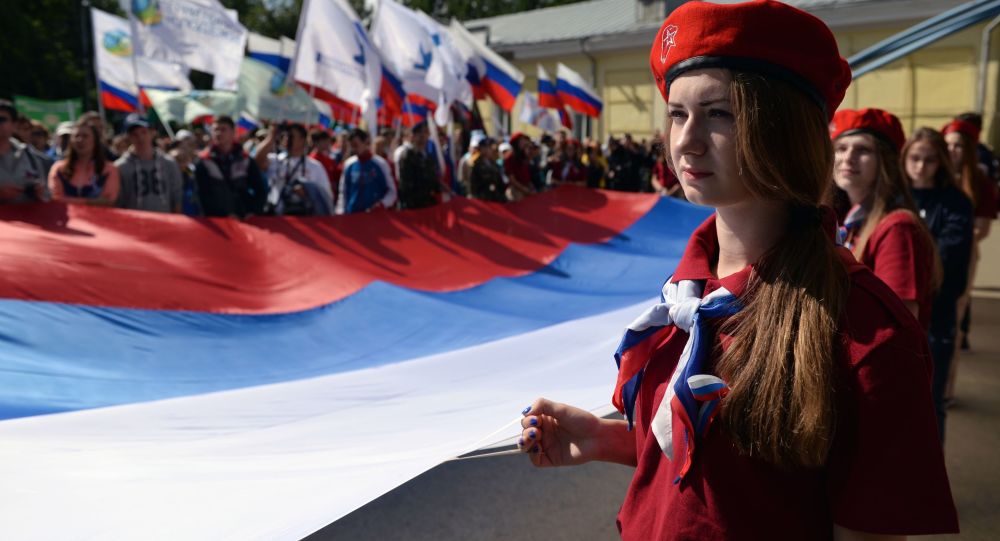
504	498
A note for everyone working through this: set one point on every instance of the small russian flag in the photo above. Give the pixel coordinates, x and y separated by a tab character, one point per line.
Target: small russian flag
575	92
246	124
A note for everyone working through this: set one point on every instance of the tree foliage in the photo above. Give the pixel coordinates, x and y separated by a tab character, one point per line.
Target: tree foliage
46	49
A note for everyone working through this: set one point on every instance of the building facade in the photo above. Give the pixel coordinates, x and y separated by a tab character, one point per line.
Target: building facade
609	40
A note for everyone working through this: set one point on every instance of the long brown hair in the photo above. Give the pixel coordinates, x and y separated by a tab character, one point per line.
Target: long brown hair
969	177
944	175
779	364
96	155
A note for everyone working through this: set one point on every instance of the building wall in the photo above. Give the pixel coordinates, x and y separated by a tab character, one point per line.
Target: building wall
926	88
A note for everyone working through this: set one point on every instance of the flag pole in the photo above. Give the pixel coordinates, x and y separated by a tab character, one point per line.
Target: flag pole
135	66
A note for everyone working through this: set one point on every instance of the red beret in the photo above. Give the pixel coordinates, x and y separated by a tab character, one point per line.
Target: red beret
881	124
515	136
969	129
764	36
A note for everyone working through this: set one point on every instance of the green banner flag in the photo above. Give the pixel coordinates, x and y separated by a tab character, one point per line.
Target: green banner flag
185	107
267	95
49	112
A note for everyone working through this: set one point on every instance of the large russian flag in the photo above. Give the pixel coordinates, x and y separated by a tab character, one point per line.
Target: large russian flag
576	93
165	377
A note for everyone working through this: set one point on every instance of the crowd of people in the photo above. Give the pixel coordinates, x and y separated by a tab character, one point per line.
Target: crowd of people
287	170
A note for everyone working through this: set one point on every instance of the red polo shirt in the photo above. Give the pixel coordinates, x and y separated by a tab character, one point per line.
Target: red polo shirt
885	472
899	254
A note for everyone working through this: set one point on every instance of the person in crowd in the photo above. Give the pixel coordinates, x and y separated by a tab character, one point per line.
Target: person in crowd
569	169
775	360
299	184
190	206
623	169
962	138
39	137
539	171
468	159
119	144
382	147
61	144
597	166
22	129
947	212
23	171
419	184
987	160
322	144
366	183
188	143
873	202
517	168
486	179
94	119
663	180
547	146
229	182
150	180
85	176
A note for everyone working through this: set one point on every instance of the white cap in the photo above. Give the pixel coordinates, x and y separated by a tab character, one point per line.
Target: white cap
64	128
504	147
183	135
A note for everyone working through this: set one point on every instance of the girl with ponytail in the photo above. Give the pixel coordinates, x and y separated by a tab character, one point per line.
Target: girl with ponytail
779	390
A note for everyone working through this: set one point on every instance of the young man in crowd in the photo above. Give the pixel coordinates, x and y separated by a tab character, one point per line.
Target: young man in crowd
150	180
299	184
366	183
419	184
23	171
229	182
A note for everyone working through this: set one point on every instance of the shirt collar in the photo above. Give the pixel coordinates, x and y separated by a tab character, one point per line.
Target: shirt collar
701	253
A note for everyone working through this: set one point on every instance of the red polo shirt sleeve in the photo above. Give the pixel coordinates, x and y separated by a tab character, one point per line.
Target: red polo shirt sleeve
897	254
886	472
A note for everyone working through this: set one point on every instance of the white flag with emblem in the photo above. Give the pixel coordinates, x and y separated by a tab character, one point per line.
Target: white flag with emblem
336	58
113	52
199	34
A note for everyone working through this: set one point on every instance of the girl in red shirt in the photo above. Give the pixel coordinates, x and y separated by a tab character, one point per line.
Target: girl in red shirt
780	390
568	169
880	225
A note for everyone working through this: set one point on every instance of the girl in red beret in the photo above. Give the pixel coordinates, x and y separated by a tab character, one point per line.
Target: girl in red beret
569	168
947	211
879	221
962	138
779	390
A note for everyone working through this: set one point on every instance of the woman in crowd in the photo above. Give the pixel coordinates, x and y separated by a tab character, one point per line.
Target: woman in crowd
948	215
780	390
879	219
568	168
517	168
85	176
962	138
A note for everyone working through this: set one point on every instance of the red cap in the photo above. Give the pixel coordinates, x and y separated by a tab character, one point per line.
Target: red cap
515	136
967	128
764	36
881	124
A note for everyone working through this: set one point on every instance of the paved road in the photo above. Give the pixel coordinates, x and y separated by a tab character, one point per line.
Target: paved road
504	498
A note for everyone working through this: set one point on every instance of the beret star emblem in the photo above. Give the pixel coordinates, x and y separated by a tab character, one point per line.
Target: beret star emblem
667	41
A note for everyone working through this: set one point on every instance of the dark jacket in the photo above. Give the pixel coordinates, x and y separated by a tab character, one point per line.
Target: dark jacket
486	181
229	184
418	179
948	215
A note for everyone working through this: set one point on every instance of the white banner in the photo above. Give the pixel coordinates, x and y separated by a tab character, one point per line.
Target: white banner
335	55
196	33
408	49
113	50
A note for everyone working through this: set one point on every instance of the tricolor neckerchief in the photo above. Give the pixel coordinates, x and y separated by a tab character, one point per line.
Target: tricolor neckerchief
848	232
692	393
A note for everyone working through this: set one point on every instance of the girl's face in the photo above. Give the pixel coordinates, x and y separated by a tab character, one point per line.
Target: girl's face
855	165
702	138
921	164
954	142
82	140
